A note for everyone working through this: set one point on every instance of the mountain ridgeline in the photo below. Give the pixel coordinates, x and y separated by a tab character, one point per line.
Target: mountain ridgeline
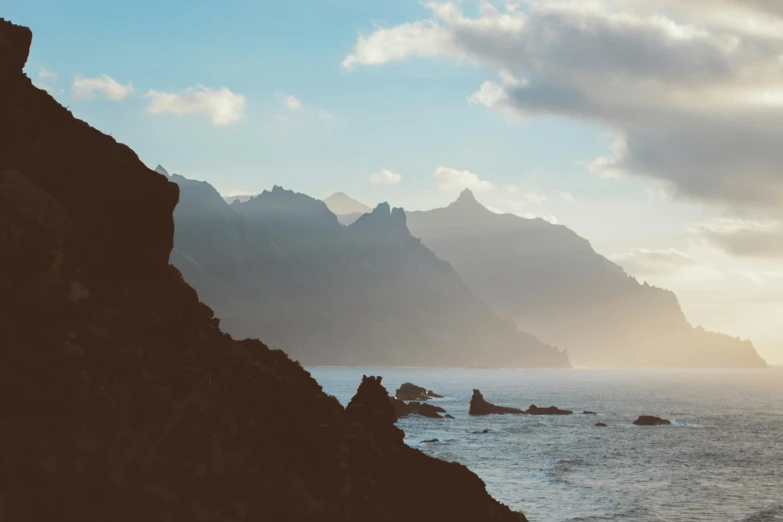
120	397
281	267
555	286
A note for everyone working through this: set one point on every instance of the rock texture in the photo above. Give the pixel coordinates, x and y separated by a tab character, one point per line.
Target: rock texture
650	420
479	406
555	286
411	392
121	399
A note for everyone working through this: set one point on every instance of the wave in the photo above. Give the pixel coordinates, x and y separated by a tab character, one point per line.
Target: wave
771	514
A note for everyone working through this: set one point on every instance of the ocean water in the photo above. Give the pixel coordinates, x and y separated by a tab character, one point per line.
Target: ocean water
721	460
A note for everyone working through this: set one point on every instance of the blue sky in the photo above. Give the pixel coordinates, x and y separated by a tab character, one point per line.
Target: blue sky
404	106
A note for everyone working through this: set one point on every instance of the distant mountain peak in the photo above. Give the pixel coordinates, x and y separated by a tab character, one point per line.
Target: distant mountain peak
467	202
340	203
466	196
385	217
160	170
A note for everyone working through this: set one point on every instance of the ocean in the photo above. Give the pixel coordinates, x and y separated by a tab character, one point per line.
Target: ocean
721	460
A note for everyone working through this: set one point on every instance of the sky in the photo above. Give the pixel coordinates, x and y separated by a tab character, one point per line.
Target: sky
651	128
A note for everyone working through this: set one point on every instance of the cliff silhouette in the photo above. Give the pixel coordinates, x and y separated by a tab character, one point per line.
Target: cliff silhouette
281	267
120	397
555	286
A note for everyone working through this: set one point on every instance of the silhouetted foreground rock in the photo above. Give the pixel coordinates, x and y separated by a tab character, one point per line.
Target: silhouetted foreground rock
551	410
649	420
478	406
411	392
120	398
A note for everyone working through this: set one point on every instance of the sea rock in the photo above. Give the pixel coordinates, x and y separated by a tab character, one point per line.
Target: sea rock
478	406
416	408
425	410
551	410
600	424
650	420
447	416
429	440
411	392
589	413
485	430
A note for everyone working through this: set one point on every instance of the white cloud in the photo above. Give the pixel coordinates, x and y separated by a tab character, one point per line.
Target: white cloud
103	85
222	106
642	261
46	74
694	94
386	176
292	103
567	196
327	115
744	238
533	215
452	179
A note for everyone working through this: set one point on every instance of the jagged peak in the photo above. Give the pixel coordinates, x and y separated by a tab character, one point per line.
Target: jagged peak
468	202
383	215
466	196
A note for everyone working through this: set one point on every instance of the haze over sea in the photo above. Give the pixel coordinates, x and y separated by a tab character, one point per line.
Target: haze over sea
721	460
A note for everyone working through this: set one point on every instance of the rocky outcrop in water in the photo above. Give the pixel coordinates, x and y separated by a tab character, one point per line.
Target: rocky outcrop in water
479	406
650	420
411	392
550	410
416	408
121	399
600	424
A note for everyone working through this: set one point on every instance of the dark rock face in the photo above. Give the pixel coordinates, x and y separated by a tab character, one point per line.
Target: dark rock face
411	392
551	410
600	424
478	406
121	399
649	420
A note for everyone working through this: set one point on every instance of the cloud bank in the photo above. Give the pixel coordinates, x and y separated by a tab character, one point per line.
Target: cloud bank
693	89
102	86
642	261
449	179
386	176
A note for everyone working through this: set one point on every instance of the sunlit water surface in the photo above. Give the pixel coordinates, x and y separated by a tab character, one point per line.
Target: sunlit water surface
722	460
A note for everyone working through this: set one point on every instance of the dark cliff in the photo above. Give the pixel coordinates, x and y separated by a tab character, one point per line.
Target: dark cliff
120	398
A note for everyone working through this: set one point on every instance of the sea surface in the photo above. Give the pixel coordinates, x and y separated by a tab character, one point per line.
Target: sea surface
721	460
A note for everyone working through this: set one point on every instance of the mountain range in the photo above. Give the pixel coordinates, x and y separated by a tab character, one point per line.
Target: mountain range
281	267
553	284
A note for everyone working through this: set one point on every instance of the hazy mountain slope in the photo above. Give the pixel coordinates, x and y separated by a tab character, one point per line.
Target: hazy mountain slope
121	399
282	267
339	203
557	287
